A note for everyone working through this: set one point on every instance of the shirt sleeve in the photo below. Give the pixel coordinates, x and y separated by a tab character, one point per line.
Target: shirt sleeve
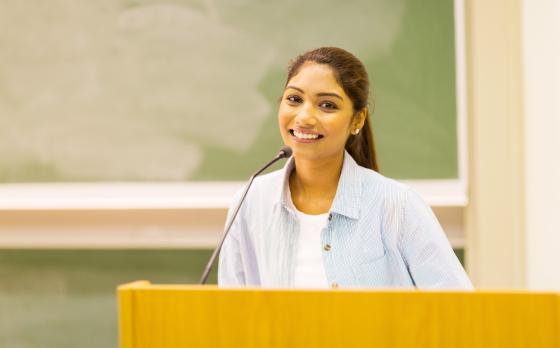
230	267
430	259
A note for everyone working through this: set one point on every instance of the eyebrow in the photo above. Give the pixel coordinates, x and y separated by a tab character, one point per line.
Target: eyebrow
318	94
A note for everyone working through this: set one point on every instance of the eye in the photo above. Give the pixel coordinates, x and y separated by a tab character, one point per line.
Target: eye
293	99
328	105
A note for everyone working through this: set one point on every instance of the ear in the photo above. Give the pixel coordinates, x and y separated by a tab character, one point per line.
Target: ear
360	119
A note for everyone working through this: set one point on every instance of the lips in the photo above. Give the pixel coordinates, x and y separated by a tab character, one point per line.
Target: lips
305	136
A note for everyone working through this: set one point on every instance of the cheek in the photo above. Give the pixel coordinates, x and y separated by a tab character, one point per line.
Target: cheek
283	122
284	117
338	126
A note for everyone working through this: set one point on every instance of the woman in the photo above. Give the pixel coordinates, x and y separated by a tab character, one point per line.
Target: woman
328	219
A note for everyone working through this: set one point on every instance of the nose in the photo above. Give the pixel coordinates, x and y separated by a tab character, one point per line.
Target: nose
306	116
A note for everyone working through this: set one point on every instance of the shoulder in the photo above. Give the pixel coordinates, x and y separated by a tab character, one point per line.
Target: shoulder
270	183
394	195
264	189
377	185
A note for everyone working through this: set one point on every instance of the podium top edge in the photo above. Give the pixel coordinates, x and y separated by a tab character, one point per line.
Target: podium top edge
146	285
135	285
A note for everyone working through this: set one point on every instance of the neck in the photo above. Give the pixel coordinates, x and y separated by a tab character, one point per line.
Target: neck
316	178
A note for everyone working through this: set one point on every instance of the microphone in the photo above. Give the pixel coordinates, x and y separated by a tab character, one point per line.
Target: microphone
284	152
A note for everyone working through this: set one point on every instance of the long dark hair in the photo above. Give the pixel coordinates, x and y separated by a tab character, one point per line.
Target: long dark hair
353	78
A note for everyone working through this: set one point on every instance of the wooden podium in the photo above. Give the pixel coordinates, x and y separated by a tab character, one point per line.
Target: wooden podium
165	316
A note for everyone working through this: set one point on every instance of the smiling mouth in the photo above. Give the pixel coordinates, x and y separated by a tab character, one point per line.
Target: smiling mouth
305	136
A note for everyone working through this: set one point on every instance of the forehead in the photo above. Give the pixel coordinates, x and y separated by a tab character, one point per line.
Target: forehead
316	78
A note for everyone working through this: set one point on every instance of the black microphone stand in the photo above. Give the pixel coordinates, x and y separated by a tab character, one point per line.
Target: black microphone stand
285	152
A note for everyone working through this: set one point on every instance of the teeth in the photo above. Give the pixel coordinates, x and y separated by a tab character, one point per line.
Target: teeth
305	135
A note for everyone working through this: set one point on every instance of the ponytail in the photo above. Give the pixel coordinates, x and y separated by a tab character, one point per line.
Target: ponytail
362	147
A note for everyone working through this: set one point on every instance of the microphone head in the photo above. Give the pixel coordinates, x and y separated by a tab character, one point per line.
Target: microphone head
285	152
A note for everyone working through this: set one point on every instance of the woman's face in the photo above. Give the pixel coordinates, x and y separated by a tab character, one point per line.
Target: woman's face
315	114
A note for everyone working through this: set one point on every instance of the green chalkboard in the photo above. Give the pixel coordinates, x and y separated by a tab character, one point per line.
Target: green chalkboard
187	90
67	298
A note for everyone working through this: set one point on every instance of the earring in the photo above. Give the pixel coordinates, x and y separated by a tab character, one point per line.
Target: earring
357	131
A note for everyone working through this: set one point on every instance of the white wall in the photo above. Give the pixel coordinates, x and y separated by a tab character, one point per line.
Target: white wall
541	54
495	215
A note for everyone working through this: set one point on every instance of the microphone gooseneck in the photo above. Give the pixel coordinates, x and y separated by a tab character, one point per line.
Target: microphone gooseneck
284	152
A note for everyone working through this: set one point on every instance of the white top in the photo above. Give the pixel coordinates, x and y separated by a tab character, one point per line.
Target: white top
309	271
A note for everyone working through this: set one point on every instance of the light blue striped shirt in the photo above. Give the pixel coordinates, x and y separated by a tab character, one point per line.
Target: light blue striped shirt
380	234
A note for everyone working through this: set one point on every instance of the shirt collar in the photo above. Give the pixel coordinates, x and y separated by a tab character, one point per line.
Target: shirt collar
348	193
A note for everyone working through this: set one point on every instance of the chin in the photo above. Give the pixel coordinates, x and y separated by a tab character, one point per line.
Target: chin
309	154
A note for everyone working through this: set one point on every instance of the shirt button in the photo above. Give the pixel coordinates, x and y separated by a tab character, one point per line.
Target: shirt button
327	247
330	217
334	285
